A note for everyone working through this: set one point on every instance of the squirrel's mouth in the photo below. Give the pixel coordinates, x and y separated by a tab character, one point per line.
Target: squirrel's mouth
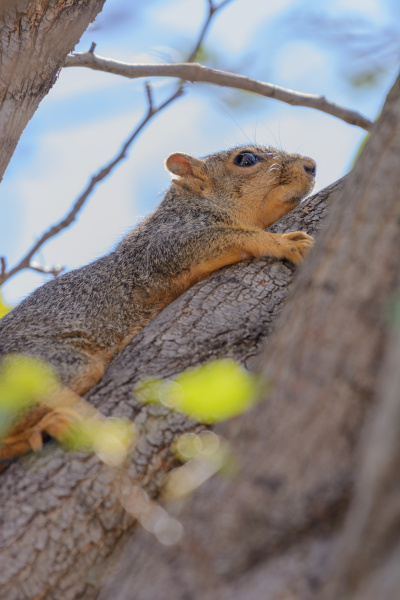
296	199
297	196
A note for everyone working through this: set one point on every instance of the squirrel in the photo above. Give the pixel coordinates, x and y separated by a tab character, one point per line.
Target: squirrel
214	214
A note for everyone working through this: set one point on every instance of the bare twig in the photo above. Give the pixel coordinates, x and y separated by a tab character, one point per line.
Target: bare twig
149	93
54	270
196	72
3	265
212	9
26	261
222	4
202	34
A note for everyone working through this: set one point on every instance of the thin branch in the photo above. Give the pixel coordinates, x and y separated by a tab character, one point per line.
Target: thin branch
202	34
222	4
3	265
55	270
26	261
200	73
149	93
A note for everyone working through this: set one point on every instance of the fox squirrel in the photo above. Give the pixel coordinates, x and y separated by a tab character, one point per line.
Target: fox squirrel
214	214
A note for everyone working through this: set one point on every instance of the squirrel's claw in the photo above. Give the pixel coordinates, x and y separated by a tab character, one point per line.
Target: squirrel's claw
28	435
299	245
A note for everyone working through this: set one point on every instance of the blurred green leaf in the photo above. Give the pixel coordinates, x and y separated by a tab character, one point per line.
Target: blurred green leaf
393	311
187	446
366	79
26	381
205	56
23	381
397	314
4	308
360	149
205	455
213	392
110	438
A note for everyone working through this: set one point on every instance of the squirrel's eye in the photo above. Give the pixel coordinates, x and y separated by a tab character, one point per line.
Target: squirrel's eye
246	159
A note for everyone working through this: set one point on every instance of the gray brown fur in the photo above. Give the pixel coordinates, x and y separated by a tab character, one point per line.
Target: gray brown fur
78	321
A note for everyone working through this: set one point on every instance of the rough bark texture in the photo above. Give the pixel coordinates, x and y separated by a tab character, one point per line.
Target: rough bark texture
60	514
297	515
367	556
35	38
291	522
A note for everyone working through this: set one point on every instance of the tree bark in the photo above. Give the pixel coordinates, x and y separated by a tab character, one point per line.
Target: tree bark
366	565
312	513
36	36
278	528
62	522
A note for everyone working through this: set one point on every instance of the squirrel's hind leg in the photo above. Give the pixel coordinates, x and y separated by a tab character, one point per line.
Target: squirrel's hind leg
25	436
55	416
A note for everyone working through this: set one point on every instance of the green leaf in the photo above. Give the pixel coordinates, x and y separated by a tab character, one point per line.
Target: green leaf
110	438
369	78
360	149
213	392
4	308
24	380
204	455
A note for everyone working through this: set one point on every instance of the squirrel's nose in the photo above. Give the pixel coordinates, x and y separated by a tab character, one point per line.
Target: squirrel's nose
310	167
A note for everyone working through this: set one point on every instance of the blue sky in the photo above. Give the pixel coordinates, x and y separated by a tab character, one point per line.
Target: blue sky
86	116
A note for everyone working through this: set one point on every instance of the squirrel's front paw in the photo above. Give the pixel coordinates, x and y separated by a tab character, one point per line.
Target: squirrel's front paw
298	245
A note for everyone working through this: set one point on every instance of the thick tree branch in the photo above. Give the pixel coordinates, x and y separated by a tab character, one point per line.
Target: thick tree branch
200	73
35	39
152	111
72	502
367	554
273	531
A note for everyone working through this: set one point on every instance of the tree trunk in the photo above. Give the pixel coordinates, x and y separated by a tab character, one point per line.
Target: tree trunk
291	521
366	565
35	38
61	515
278	528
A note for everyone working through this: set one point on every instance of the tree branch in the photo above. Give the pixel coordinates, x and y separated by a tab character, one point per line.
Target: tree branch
272	529
79	505
277	529
26	261
212	9
3	265
36	40
200	73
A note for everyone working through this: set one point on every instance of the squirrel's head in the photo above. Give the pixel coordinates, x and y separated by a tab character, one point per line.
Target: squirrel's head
259	183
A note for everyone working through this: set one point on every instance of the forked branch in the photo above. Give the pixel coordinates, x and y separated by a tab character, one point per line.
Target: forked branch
196	72
26	262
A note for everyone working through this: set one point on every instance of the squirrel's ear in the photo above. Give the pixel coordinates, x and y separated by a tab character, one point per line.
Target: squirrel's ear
184	165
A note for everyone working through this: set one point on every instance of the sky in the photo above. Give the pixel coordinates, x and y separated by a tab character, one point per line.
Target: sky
87	115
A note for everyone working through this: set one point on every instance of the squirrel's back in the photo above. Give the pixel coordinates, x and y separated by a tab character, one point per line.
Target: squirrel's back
214	214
